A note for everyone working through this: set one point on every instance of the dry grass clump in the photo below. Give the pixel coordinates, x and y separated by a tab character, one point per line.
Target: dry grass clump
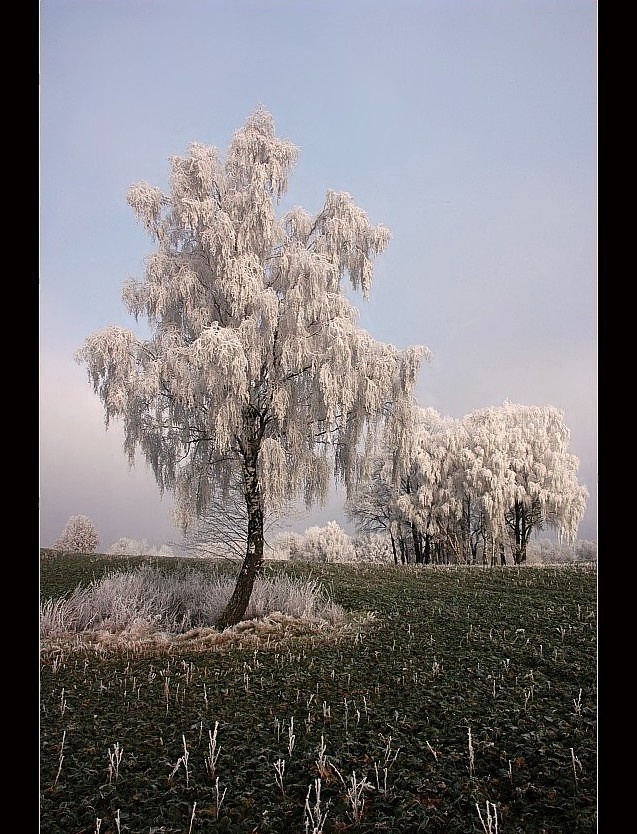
150	606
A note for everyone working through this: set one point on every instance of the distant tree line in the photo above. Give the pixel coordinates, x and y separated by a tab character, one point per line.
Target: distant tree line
332	544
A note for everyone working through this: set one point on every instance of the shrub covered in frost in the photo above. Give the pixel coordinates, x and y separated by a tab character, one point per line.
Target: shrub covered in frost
324	544
549	552
373	547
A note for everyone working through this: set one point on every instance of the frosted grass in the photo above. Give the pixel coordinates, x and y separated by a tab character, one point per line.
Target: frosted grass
150	600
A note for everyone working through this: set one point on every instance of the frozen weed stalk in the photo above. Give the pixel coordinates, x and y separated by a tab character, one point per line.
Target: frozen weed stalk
389	758
577	765
279	767
213	752
528	696
354	795
491	824
219	799
291	736
57	775
114	760
321	762
181	760
167	692
378	787
471	757
175	769
185	761
314	818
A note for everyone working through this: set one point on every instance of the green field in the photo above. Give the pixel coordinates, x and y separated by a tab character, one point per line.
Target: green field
468	703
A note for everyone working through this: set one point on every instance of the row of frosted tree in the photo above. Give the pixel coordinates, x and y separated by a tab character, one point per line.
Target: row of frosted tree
333	544
474	490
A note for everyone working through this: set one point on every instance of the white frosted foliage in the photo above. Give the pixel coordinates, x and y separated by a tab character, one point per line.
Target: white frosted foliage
78	536
518	462
255	365
435	502
325	544
125	546
476	486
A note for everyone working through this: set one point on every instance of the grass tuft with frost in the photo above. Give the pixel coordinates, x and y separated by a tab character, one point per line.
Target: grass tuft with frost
149	601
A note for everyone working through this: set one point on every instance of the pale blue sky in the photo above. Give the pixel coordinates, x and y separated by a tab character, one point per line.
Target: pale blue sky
468	128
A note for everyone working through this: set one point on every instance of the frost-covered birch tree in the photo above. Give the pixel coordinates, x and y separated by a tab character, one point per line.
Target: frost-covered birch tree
519	467
255	362
433	494
424	507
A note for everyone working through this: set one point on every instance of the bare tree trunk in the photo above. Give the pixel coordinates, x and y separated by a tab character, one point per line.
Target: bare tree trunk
427	554
417	540
526	527
253	562
493	549
250	569
521	523
404	556
393	547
